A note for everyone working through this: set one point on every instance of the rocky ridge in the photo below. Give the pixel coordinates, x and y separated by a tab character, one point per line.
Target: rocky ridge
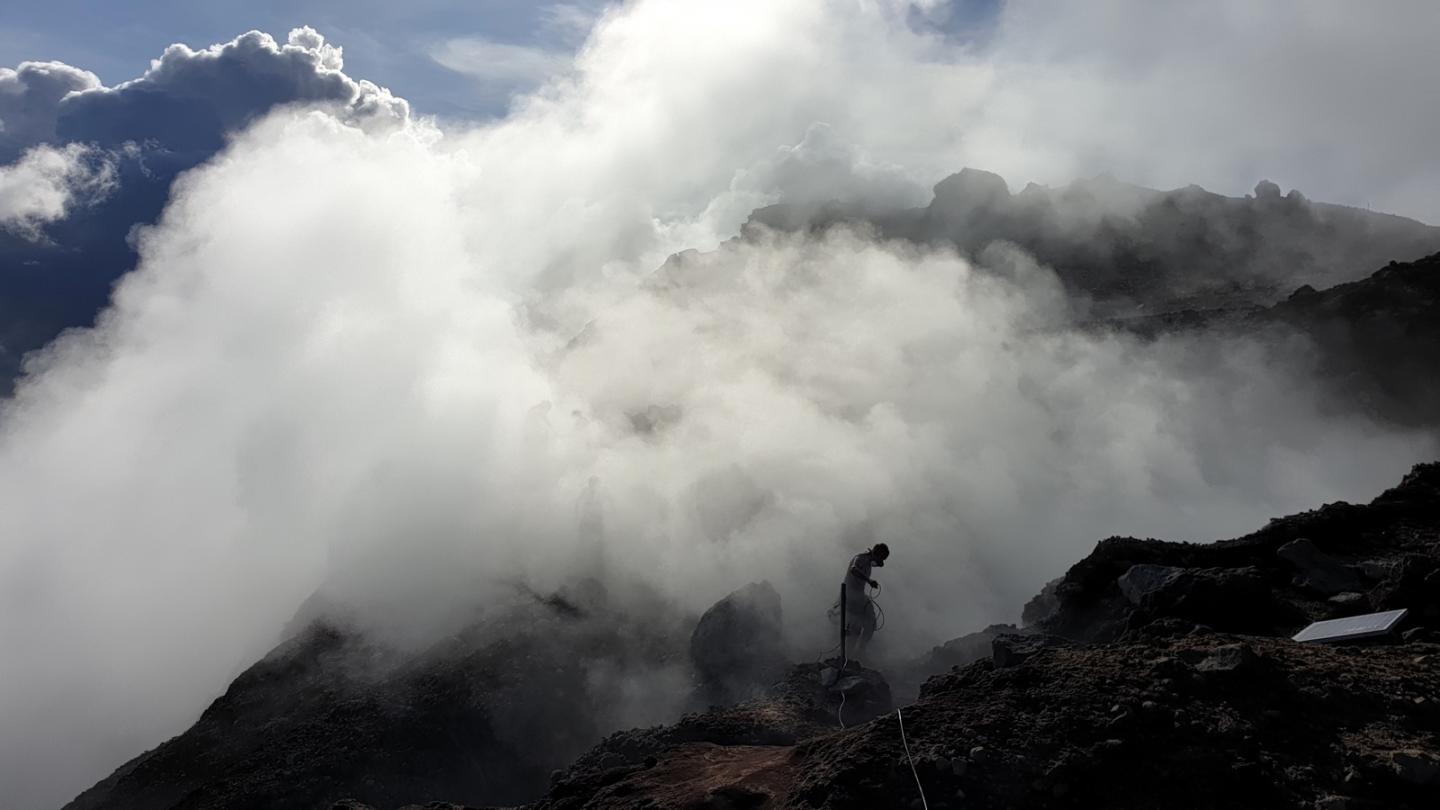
1155	675
494	714
1135	250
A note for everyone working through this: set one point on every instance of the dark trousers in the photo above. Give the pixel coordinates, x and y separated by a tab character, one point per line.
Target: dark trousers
860	621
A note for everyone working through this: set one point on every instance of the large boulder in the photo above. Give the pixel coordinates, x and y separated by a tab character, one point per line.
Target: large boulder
1413	584
1317	571
849	694
334	715
737	647
1236	600
1142	580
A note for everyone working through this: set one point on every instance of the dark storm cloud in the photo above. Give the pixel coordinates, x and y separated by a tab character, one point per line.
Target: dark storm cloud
30	97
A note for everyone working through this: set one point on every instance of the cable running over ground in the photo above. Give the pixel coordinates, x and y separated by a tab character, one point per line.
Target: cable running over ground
920	787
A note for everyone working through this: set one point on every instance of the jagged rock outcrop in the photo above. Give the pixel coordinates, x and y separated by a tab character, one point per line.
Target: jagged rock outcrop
483	717
1124	696
1013	649
1318	571
1216	722
1142	703
1132	249
858	694
1387	550
966	649
907	677
1042	605
1202	721
1374	343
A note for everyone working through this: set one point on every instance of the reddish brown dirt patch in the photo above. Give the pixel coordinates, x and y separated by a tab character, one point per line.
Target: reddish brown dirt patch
703	776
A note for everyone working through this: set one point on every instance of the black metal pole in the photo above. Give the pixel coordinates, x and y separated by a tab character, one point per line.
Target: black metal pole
844	634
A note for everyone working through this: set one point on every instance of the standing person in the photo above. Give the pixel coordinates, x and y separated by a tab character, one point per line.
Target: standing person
859	608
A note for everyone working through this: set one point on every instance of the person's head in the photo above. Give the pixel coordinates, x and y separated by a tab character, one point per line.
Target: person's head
879	553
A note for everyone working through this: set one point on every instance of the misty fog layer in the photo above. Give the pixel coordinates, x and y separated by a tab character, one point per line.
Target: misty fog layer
411	366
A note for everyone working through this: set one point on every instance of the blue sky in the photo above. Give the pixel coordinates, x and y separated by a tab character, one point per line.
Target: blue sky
392	44
453	60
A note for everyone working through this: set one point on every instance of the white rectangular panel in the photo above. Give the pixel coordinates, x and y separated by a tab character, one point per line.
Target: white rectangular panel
1355	627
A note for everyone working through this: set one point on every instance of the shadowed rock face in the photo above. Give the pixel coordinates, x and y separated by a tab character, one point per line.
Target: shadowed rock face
1205	721
488	717
736	648
1056	716
483	717
1293	279
1141	675
1134	249
1216	721
1318	571
1373	343
907	678
1265	583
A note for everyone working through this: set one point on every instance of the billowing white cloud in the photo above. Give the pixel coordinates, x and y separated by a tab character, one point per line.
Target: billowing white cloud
188	99
1324	96
820	169
400	366
46	182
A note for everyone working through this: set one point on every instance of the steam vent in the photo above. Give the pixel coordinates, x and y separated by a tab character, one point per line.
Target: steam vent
680	405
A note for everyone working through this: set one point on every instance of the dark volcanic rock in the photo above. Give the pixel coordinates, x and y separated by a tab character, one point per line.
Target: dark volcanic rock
484	717
1238	658
1129	248
1414	584
1217	723
965	650
798	707
1416	767
1144	579
1013	649
1042	605
353	804
1244	585
1374	342
859	695
737	648
1067	730
1148	675
907	677
1231	599
1318	571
